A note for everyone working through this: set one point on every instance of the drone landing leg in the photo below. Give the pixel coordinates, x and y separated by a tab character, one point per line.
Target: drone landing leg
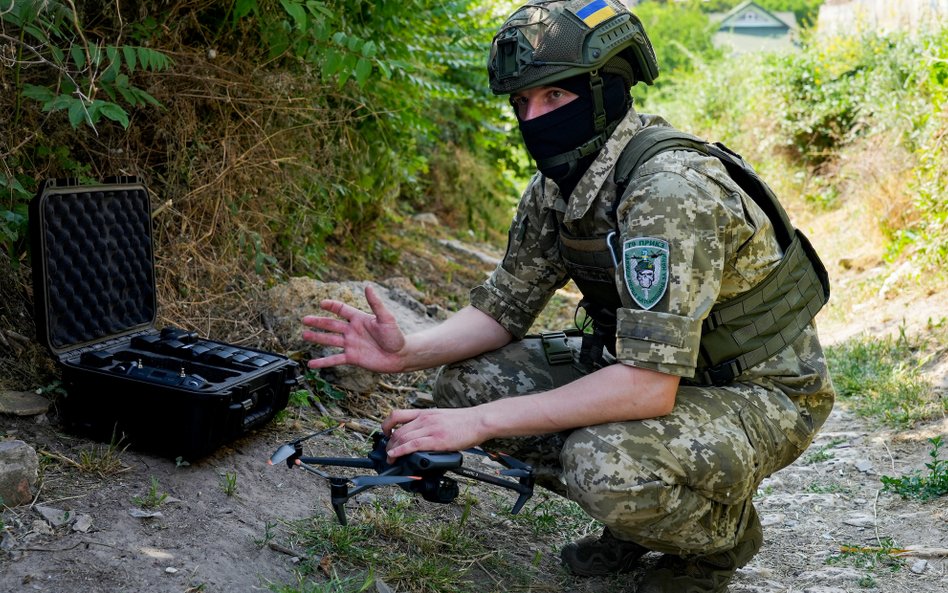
338	495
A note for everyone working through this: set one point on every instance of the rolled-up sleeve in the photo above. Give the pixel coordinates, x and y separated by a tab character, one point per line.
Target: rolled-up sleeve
658	341
531	270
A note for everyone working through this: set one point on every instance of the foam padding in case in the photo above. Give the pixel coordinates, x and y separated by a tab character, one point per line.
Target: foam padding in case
97	268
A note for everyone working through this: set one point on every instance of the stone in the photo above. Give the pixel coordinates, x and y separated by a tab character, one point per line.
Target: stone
41	527
82	524
831	574
23	403
426	219
859	521
421	399
19	467
919	566
53	516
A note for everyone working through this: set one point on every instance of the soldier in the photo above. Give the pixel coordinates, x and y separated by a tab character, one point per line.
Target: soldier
632	418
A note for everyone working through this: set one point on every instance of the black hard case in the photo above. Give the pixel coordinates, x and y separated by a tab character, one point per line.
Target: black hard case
166	391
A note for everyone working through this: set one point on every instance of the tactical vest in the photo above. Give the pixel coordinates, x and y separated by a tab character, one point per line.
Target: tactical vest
738	333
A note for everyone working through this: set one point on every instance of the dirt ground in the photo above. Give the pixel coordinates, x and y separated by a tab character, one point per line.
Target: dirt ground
210	533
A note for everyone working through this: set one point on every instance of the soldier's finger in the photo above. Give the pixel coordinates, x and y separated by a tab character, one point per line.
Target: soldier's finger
378	307
398	417
425	443
329	324
327	361
341	309
324	339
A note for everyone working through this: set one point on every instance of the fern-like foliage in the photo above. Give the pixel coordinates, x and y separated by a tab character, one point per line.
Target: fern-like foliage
87	79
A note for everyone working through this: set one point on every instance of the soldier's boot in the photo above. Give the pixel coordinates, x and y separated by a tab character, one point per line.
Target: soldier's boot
601	555
704	574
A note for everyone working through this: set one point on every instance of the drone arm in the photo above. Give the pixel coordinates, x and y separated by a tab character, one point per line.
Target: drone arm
359	462
524	486
313	470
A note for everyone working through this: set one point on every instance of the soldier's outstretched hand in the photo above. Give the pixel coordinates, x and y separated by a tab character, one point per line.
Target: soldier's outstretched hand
372	341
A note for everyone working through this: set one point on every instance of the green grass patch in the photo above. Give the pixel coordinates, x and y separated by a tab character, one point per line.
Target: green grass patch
409	548
881	378
923	487
829	488
824	453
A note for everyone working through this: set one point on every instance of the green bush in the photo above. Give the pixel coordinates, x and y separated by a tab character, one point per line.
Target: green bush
811	105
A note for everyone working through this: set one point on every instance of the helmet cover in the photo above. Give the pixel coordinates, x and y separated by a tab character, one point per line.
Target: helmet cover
545	41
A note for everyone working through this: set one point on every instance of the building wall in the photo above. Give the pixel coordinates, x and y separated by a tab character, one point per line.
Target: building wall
849	16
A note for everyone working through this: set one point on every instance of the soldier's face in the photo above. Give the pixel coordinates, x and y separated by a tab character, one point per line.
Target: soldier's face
532	103
646	278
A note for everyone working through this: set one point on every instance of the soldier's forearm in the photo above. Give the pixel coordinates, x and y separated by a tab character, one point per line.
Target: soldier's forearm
615	393
467	333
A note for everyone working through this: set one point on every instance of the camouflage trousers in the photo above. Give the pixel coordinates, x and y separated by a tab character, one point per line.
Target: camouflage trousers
679	484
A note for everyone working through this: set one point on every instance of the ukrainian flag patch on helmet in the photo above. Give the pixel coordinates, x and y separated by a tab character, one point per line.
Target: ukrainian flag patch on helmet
594	12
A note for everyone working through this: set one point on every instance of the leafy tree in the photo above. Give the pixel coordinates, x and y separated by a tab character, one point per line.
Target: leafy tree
680	33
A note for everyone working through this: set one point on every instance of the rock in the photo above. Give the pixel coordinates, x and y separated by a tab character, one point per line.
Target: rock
469	251
919	566
19	467
23	403
403	284
426	219
421	399
286	305
53	516
859	521
82	524
864	465
171	570
41	527
7	542
142	514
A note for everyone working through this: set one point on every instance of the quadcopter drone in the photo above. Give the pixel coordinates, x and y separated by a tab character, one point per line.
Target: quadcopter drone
422	472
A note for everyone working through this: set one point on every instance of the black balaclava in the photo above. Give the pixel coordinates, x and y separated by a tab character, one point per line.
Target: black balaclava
571	125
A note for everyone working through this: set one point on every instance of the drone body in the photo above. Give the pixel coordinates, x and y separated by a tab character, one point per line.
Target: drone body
422	472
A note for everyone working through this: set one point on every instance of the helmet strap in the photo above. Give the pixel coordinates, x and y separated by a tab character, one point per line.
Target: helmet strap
599	105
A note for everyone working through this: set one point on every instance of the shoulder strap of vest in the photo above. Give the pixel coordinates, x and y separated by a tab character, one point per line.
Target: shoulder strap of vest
653	140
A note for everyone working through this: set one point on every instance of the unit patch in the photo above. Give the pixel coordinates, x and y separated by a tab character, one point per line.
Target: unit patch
645	263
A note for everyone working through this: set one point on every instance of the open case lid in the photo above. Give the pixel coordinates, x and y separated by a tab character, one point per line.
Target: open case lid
93	262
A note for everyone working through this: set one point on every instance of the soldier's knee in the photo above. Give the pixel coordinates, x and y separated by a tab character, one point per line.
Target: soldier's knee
602	477
452	385
461	384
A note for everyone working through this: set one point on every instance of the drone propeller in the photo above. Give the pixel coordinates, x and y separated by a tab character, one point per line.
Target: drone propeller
518	472
515	467
293	447
282	454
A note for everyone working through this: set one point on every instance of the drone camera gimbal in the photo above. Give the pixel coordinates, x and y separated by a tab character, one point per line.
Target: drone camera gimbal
422	472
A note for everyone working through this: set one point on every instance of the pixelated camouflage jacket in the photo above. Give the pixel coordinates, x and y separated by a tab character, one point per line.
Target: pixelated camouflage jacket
720	245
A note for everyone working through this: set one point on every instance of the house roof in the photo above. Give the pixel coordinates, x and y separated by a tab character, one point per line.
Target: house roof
750	15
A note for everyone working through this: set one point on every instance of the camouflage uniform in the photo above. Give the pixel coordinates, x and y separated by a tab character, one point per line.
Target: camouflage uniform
681	483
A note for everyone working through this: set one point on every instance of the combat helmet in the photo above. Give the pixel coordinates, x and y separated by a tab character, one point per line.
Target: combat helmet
545	41
548	40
